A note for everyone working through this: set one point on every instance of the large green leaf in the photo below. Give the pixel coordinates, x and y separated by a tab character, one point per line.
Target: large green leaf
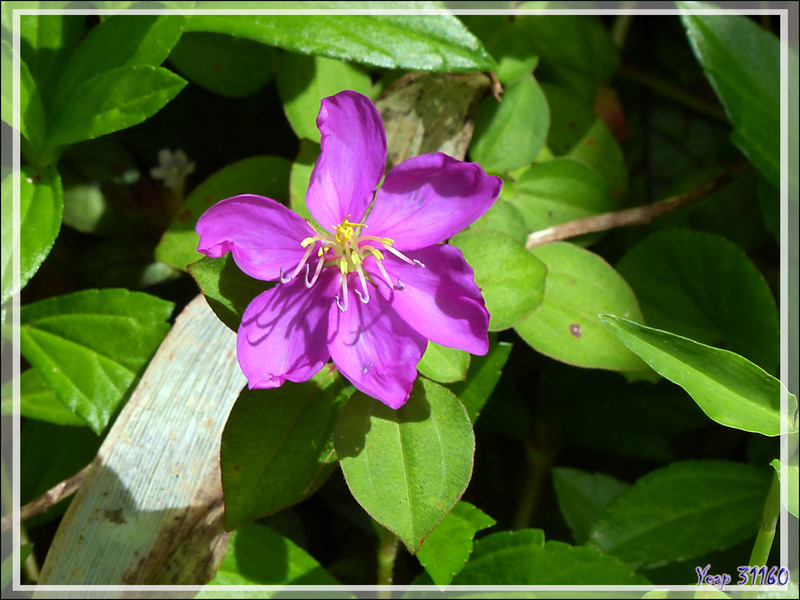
742	62
423	42
277	447
448	547
507	41
523	558
262	175
558	191
407	467
31	109
41	203
565	326
226	65
509	134
112	101
683	510
303	81
257	555
582	496
119	41
510	278
90	346
729	388
702	286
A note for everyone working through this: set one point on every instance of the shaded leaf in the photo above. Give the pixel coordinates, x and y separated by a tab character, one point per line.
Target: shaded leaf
277	447
442	364
683	510
482	377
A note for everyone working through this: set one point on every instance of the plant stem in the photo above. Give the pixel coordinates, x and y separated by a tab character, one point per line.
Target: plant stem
538	462
769	521
387	552
639	215
621	26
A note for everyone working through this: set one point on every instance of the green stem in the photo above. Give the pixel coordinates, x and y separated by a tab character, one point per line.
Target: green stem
621	26
387	552
672	91
539	459
769	521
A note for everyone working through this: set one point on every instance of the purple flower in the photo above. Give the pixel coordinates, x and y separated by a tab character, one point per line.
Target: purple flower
373	284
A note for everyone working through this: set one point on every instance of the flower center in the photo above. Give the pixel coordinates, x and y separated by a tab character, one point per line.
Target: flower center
347	249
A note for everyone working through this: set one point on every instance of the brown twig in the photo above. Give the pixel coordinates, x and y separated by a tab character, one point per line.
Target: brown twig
48	499
639	215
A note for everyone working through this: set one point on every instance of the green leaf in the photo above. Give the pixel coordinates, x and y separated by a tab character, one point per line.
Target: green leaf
303	81
729	388
227	289
510	278
482	377
31	109
260	175
680	511
37	401
41	204
226	65
509	134
423	42
112	101
598	149
277	447
565	326
442	364
523	558
742	62
582	496
448	547
703	287
257	555
790	474
119	41
505	40
503	217
90	346
407	467
558	191
570	118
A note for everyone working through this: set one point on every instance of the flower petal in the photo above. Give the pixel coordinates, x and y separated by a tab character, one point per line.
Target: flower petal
262	234
441	301
351	162
375	349
284	331
429	198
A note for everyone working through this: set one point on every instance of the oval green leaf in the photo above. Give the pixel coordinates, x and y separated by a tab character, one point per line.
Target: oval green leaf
303	81
510	278
565	326
422	42
482	377
113	100
277	447
38	401
703	287
442	364
509	134
523	558
681	511
408	467
262	175
41	203
729	388
90	346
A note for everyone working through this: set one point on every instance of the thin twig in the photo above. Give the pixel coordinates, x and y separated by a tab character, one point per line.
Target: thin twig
48	499
639	215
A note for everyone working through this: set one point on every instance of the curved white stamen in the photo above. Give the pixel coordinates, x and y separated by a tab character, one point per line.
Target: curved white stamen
298	268
341	308
317	271
283	279
399	287
404	258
